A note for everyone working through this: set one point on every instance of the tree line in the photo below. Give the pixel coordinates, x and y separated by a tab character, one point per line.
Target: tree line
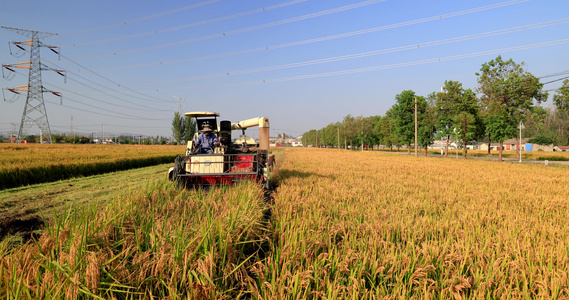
183	128
507	94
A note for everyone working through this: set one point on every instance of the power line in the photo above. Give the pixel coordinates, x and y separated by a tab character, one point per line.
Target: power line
142	19
121	116
420	62
562	78
105	102
92	98
264	9
555	74
108	94
327	38
242	30
366	54
393	66
114	125
112	81
146	108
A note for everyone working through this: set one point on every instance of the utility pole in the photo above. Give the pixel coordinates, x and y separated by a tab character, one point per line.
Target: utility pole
338	136
520	141
415	125
103	130
362	135
34	109
72	134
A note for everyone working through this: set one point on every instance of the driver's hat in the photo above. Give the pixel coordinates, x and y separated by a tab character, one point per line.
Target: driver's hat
206	128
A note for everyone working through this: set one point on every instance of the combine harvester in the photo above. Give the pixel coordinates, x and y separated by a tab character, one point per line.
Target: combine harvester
228	163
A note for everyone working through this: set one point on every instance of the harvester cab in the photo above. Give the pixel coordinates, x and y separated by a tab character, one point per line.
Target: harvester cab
228	161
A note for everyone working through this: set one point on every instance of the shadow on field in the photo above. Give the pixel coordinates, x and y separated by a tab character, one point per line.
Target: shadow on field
285	174
22	227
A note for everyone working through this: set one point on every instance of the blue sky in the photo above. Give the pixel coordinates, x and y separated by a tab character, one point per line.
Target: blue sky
302	63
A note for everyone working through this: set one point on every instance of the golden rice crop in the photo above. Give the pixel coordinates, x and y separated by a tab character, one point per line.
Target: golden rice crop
13	156
156	243
358	225
365	225
526	155
33	163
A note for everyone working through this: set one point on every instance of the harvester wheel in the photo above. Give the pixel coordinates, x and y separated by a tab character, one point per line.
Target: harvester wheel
178	167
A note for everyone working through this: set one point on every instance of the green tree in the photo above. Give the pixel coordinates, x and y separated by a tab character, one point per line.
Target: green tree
426	127
457	108
339	139
373	136
508	92
561	101
404	114
72	139
190	129
363	129
561	97
32	138
84	140
386	128
465	119
328	135
349	125
309	138
178	128
445	102
541	140
57	138
560	126
535	122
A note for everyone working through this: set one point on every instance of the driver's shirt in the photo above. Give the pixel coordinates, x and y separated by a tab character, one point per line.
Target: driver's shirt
208	141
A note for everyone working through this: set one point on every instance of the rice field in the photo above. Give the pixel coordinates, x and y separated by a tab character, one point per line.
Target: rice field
22	164
368	225
340	225
526	155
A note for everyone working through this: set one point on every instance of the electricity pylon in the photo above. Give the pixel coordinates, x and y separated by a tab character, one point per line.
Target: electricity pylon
34	110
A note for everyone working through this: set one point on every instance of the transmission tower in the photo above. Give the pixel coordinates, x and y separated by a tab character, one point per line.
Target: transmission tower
34	110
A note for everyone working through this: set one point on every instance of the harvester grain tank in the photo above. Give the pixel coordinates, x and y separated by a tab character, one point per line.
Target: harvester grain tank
229	162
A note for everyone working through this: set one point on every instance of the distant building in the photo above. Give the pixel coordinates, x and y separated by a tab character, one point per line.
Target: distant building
103	141
493	146
13	138
512	144
537	147
475	146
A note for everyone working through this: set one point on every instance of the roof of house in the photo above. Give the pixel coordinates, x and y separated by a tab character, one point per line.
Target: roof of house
515	141
562	147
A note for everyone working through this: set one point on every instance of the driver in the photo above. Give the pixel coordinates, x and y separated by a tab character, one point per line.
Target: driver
206	140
